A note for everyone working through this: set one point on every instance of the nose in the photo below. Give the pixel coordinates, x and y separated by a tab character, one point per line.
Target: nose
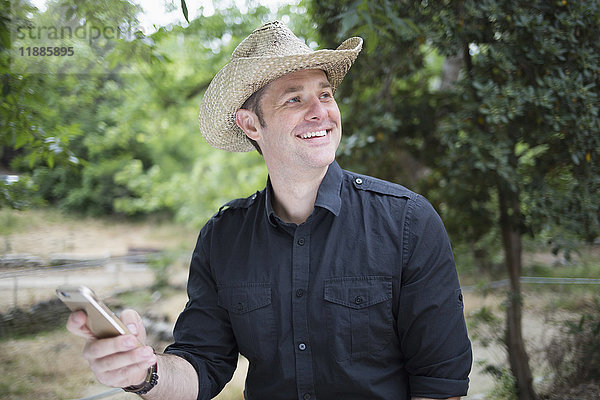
316	110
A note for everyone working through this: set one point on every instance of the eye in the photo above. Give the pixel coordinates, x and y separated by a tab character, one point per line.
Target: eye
326	95
293	100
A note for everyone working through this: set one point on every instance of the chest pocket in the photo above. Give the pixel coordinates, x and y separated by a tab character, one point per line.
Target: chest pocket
252	318
359	315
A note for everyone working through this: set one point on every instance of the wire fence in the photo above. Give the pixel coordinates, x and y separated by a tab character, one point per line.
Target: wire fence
533	280
30	274
18	279
141	258
103	395
23	285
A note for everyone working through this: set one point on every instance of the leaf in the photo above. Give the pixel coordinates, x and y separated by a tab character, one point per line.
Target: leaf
21	140
185	11
50	160
69	13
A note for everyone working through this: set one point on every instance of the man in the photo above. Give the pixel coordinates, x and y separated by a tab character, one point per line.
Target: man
333	285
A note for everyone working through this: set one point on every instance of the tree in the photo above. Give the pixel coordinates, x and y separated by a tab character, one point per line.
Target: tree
513	141
49	103
21	96
116	128
528	126
200	179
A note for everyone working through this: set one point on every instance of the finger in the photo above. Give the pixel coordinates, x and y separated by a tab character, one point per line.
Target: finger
134	323
126	376
96	349
76	324
141	358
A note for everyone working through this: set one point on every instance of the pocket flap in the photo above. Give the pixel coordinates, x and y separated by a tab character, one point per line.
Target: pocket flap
358	292
242	299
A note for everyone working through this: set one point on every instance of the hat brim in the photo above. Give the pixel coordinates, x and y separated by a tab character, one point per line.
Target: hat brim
240	78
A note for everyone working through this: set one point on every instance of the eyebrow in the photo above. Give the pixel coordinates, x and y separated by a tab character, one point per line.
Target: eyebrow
294	89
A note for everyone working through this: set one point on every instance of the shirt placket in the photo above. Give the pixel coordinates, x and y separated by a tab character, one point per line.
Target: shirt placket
300	290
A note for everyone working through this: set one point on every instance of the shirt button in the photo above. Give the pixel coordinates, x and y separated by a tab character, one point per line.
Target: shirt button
358	300
239	307
358	181
302	346
299	293
301	241
306	396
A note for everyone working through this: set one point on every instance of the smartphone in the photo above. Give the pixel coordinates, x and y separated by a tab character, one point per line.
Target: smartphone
100	319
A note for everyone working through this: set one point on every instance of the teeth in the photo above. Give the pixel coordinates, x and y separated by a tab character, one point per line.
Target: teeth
313	134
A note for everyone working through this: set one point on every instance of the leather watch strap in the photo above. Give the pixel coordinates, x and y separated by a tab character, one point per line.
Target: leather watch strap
150	381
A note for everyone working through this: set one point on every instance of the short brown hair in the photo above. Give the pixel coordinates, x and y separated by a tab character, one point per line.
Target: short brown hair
252	103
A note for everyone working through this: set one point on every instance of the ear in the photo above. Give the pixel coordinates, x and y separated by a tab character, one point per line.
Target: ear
248	122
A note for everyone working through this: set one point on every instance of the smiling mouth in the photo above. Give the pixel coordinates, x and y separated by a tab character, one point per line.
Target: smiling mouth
310	135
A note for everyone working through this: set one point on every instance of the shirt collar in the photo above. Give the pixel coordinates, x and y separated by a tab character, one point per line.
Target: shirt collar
268	207
328	196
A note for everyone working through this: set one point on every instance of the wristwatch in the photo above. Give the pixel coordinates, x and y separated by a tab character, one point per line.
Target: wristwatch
150	381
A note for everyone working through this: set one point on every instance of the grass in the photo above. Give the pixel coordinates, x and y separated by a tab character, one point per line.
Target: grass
135	298
17	221
58	232
43	367
585	265
546	307
11	222
566	297
50	366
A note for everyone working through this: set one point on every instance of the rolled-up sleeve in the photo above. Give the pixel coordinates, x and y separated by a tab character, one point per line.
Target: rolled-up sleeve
431	324
203	334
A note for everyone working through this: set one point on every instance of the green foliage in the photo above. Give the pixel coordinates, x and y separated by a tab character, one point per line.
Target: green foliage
529	109
10	222
574	355
49	116
183	174
505	141
39	109
487	328
504	388
160	265
134	298
521	117
18	195
120	134
383	115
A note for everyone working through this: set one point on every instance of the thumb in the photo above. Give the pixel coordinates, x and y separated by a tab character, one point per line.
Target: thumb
134	323
76	324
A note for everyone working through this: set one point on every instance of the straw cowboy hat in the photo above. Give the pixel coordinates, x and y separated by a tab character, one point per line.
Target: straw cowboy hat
268	53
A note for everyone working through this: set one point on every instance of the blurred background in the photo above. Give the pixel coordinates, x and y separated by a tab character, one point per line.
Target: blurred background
488	108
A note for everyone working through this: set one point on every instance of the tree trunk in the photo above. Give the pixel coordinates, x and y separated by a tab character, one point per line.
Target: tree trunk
510	214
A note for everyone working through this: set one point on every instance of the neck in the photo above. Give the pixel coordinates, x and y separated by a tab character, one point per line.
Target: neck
294	194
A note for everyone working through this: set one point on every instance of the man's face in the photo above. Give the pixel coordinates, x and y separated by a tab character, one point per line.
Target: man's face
302	122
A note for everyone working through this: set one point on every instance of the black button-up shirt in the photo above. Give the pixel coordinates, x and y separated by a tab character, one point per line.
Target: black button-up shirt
361	301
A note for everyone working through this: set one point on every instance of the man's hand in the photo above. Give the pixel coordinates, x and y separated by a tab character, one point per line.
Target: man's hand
120	361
